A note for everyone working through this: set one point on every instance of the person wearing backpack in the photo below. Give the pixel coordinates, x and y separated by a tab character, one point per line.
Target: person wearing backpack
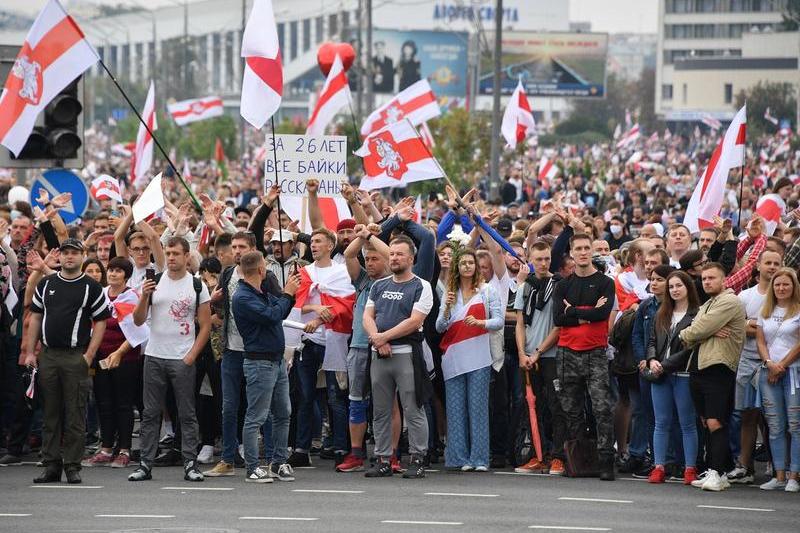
173	305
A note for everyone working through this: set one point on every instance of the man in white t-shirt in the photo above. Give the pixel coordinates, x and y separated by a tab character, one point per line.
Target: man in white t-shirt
173	305
747	404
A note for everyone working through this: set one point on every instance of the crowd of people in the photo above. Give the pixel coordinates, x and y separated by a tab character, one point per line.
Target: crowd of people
242	343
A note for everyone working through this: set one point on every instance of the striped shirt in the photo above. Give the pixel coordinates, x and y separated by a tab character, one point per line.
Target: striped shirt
68	307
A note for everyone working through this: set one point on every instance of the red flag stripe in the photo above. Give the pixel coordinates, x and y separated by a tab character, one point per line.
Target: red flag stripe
337	84
61	37
269	70
405	108
330	214
413	150
459	331
205	105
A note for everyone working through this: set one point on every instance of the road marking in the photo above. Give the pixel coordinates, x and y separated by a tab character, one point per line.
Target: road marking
571	528
644	480
599	500
286	518
329	491
66	487
736	508
15	514
464	494
134	516
197	488
305	468
523	474
422	523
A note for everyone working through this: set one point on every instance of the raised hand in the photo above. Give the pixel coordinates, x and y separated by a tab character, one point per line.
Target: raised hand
312	186
44	197
58	202
272	195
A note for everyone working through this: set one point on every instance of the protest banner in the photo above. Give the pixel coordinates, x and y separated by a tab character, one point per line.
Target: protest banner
298	158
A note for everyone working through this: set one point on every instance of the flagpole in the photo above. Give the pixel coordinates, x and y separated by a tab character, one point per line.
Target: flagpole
280	228
155	140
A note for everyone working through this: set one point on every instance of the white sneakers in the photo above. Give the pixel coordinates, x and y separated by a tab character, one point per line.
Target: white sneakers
206	455
792	486
711	480
259	475
740	475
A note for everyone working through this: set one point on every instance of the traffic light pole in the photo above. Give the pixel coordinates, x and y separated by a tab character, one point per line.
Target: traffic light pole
155	139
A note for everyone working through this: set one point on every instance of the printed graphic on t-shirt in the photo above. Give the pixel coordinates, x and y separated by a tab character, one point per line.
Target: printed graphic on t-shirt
181	312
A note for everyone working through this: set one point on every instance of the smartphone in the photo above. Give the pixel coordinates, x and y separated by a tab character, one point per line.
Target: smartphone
150	274
104	364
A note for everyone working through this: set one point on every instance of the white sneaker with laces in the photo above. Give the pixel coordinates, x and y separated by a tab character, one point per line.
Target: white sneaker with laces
283	472
740	475
774	484
700	479
206	455
259	475
715	482
792	486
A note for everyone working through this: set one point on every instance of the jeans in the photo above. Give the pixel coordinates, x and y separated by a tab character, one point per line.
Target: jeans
671	392
232	375
309	364
781	404
642	420
267	392
468	419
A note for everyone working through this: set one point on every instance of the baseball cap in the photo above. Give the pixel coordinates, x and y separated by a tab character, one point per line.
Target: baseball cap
75	244
504	227
282	236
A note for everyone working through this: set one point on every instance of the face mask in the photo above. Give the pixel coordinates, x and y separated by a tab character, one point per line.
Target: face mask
15	214
616	230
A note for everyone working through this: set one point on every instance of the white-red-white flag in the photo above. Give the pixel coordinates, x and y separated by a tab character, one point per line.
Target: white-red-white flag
396	156
466	348
628	119
769	118
427	136
518	120
262	85
332	209
143	153
188	111
122	309
783	147
653	138
334	96
417	103
417	216
54	53
547	171
709	193
104	187
630	137
711	122
771	207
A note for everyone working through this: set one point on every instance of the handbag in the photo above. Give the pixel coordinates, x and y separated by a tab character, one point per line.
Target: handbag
581	458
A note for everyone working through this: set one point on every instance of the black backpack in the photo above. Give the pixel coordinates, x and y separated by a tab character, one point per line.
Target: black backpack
197	284
621	339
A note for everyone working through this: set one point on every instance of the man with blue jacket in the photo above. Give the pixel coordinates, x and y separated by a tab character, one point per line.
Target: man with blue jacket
259	317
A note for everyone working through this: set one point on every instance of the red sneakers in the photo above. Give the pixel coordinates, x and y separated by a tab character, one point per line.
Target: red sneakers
689	475
396	467
657	475
351	463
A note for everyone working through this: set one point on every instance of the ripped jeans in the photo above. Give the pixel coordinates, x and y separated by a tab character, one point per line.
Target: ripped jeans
781	404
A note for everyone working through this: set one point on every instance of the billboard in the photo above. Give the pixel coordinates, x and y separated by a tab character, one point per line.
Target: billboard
550	64
401	58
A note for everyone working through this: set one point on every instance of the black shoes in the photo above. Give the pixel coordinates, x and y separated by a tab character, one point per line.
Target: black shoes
298	459
415	469
607	470
10	459
73	476
498	462
50	475
380	469
171	457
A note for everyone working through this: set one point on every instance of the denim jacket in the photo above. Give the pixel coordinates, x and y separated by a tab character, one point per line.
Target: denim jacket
643	327
259	318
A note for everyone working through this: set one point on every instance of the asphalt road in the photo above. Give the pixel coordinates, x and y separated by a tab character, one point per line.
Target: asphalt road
322	500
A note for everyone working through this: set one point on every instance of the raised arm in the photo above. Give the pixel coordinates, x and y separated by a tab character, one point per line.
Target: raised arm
122	231
314	212
155	244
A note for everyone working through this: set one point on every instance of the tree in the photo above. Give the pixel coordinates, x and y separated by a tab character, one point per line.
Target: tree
778	97
199	138
791	16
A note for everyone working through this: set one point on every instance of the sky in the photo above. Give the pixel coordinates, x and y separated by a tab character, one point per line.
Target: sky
613	16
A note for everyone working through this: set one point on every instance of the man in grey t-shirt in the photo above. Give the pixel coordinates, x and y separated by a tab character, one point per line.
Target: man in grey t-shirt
396	308
536	344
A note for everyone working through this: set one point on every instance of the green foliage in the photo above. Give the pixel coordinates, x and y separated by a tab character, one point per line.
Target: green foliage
779	97
585	137
791	16
462	146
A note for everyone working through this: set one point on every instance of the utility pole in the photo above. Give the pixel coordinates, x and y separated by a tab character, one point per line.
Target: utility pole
368	65
186	47
494	180
359	70
242	144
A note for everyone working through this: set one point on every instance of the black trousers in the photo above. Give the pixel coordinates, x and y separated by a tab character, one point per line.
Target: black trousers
115	393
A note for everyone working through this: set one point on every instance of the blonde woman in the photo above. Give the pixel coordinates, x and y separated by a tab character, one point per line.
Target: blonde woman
471	309
777	334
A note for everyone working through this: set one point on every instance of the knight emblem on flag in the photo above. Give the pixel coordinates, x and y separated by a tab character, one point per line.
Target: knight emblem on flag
30	72
392	115
391	160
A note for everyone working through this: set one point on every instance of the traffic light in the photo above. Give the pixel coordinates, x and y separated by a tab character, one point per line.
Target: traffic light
57	137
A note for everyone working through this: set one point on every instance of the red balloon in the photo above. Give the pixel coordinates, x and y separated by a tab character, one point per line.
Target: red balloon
327	53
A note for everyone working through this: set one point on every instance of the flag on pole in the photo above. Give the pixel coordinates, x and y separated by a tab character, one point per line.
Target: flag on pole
122	309
628	120
417	103
143	153
697	133
188	111
332	209
417	216
466	348
104	187
771	207
709	193
711	122
186	172
396	156
518	120
151	200
334	96
653	138
427	136
769	118
630	137
54	53
547	171
262	85
783	147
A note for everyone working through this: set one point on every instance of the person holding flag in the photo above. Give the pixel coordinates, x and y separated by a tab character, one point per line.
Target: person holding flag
472	308
116	369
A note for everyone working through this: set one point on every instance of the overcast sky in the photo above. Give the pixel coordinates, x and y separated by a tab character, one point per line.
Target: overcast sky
613	16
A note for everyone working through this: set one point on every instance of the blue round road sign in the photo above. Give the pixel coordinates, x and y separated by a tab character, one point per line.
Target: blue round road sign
59	180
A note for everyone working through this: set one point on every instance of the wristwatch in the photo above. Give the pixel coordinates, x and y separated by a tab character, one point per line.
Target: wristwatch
369	236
